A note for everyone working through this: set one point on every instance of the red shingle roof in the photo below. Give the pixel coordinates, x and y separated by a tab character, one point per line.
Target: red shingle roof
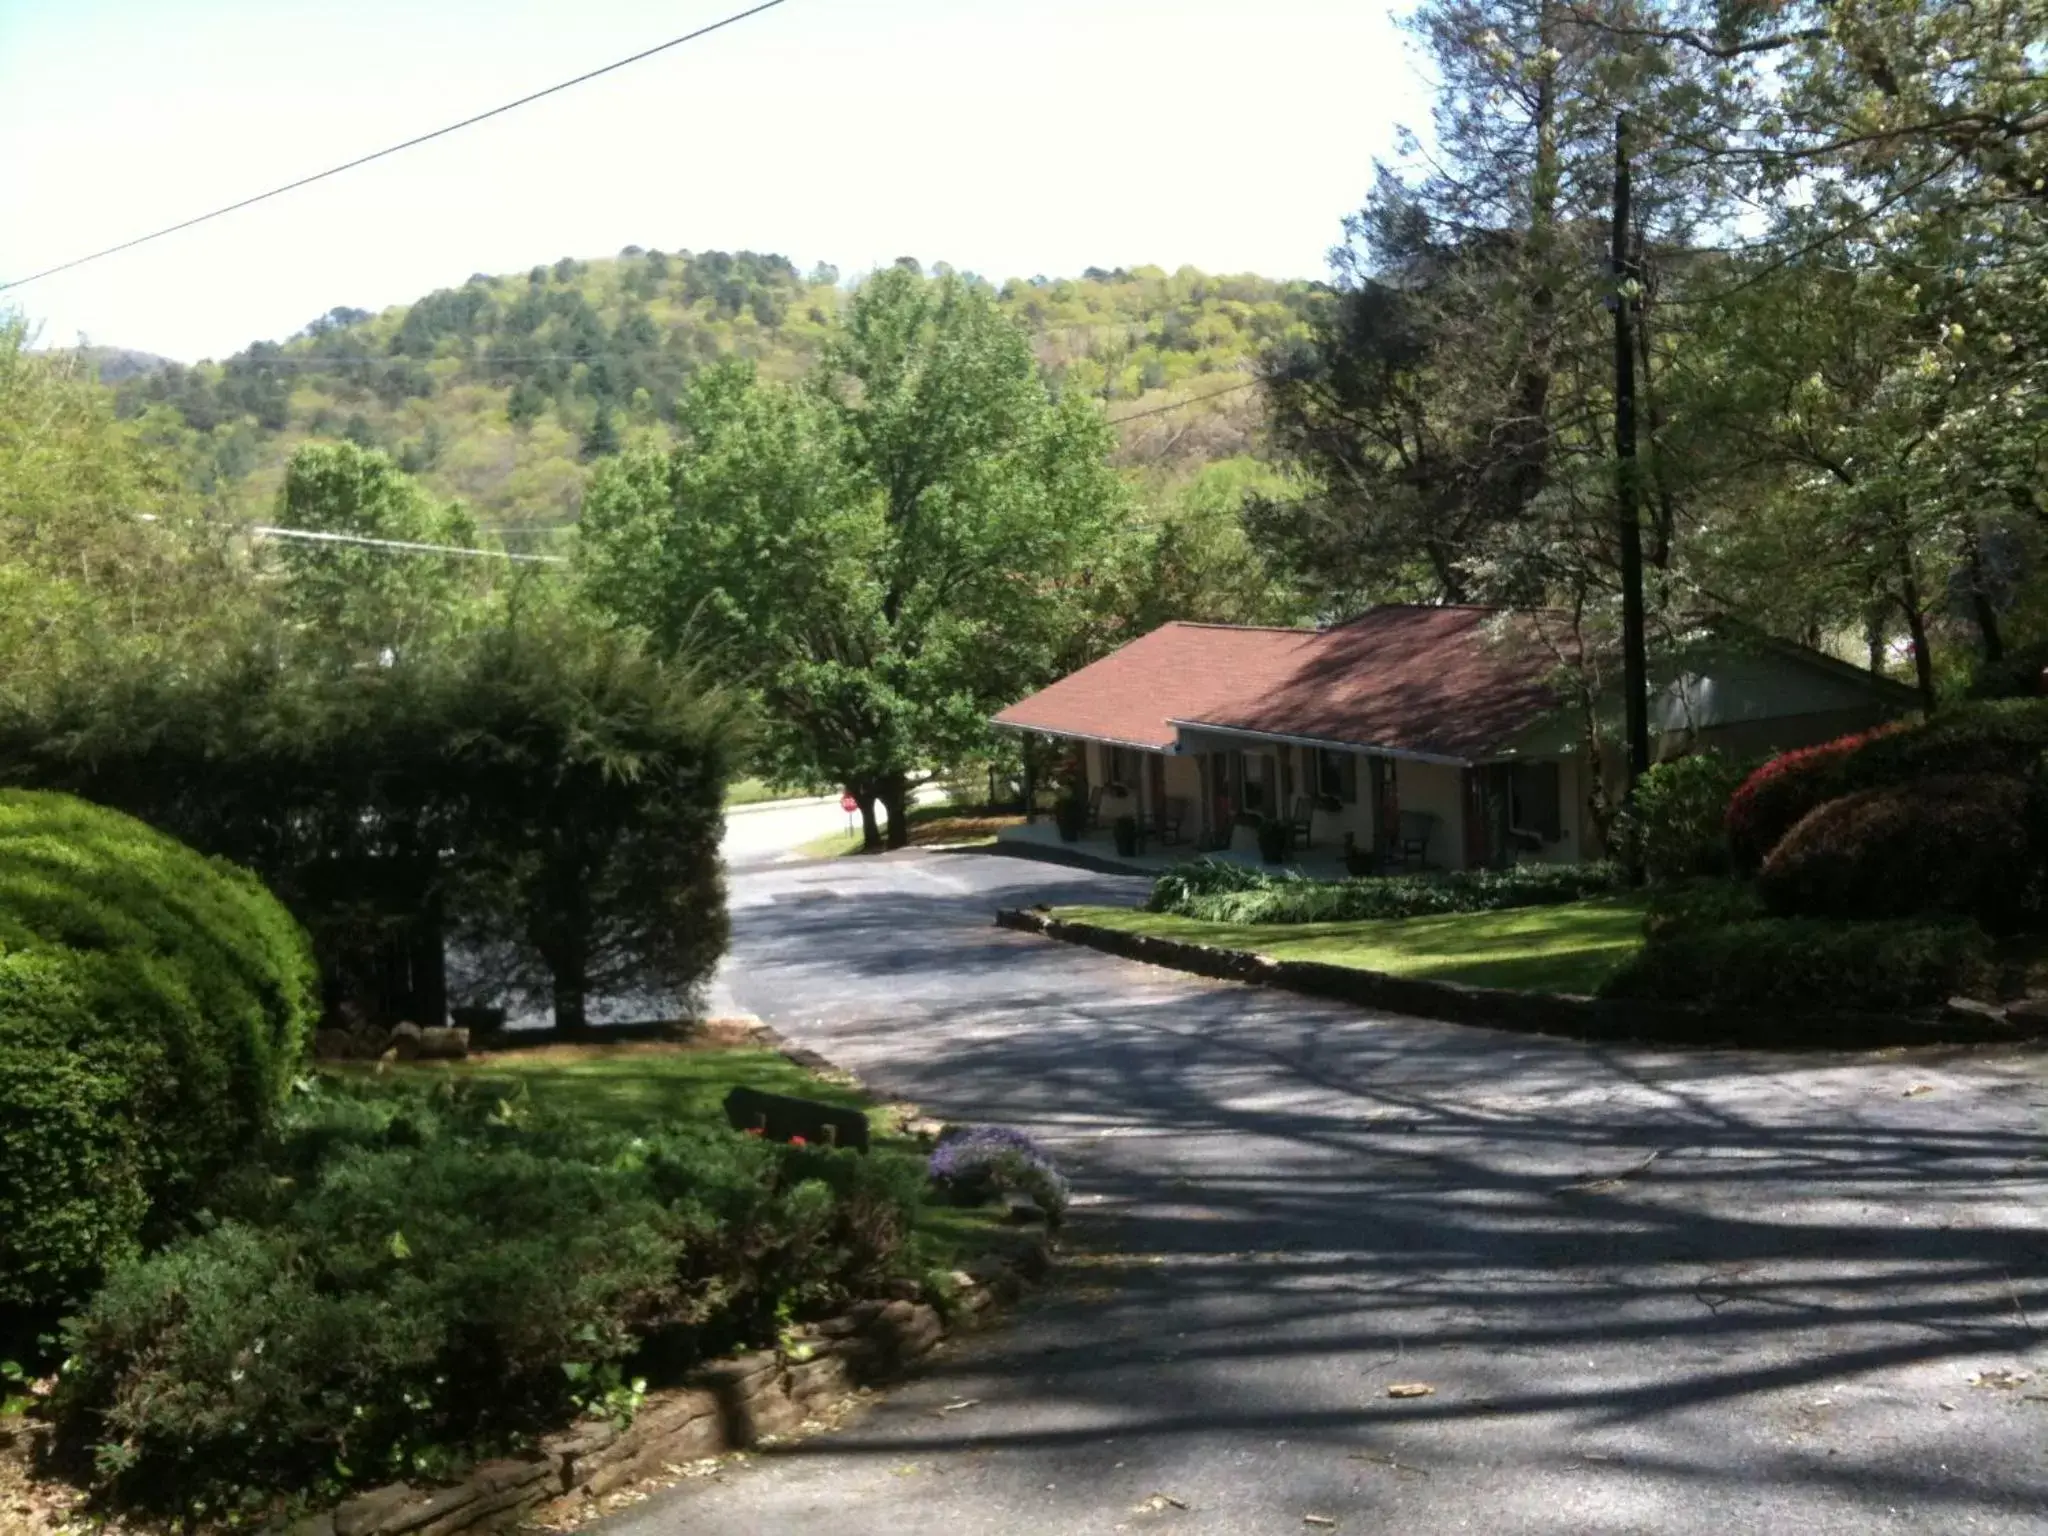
1175	673
1443	682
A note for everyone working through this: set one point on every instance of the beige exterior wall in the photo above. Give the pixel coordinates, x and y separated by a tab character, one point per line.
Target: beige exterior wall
1184	778
1439	791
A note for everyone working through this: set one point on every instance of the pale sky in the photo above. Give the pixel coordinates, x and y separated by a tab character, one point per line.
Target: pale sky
1008	139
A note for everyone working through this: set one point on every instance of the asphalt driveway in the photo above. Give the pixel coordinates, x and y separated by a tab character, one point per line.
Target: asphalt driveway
1652	1291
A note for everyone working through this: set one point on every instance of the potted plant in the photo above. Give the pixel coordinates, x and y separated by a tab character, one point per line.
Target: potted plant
1276	840
1071	817
1125	830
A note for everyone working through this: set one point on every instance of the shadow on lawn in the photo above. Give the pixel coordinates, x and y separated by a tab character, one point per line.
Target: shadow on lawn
1320	1198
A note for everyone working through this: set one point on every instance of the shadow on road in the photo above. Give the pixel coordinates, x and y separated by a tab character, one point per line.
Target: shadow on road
1718	1269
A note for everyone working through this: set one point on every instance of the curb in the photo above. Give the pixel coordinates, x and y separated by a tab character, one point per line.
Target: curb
1041	853
1600	1019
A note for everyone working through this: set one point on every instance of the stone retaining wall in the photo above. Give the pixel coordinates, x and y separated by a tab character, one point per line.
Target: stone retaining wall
726	1406
1540	1013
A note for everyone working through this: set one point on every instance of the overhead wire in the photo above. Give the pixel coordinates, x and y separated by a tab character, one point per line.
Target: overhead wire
411	143
403	546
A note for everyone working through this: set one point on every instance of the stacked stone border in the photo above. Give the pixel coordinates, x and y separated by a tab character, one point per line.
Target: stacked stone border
1538	1013
728	1405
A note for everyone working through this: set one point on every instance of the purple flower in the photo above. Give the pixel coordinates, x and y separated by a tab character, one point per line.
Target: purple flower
1002	1157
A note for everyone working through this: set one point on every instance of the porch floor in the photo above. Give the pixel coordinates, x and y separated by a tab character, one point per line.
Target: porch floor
1319	863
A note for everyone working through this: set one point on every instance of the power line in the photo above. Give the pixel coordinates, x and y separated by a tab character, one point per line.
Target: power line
402	545
424	138
1160	410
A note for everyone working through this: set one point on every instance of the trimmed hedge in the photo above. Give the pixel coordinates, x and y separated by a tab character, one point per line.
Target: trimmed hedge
1705	903
1773	799
1953	843
154	1006
1999	736
1810	964
417	1278
1216	892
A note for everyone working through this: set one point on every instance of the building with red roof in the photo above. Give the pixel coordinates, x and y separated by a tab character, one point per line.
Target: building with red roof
1439	735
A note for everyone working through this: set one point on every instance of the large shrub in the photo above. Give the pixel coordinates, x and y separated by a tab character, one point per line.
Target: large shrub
1677	819
1998	736
1957	843
1810	964
1767	804
2018	674
536	782
153	1007
420	1277
1203	892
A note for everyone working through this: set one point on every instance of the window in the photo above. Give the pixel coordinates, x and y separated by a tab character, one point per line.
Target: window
1255	773
1123	767
1534	801
1337	775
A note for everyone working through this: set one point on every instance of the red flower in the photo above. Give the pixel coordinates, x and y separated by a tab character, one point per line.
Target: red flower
796	1141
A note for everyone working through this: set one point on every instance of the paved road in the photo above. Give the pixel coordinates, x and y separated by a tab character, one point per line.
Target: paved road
1653	1291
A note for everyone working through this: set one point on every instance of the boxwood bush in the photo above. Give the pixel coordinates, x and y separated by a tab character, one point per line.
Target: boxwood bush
154	1006
1956	843
1213	891
415	1278
1810	964
1677	820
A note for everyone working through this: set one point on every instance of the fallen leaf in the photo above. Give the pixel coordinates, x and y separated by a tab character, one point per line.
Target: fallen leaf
1948	1407
1411	1389
1381	1459
1916	1090
1324	1521
1998	1378
1158	1503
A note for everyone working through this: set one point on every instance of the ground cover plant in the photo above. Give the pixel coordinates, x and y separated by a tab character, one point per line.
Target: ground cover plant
1569	947
1215	890
431	1265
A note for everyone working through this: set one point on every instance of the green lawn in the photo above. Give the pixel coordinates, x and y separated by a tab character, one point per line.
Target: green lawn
631	1086
1571	948
754	791
929	824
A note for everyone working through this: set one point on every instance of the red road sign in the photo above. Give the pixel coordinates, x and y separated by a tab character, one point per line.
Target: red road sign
848	804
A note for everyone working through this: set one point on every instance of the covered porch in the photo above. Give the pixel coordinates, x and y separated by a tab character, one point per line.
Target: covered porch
1208	792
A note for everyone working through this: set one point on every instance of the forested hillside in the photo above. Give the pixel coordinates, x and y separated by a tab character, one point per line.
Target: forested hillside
502	392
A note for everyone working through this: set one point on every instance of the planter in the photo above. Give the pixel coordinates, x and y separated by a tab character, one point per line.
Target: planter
1072	819
1125	830
1276	841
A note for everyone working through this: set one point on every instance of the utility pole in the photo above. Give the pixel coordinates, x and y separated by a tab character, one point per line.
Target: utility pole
1634	647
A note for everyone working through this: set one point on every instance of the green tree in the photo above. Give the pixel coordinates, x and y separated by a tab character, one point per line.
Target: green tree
601	437
889	552
361	593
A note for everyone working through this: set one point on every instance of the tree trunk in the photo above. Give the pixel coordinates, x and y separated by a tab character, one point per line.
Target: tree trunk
1916	626
1981	610
870	829
571	999
896	801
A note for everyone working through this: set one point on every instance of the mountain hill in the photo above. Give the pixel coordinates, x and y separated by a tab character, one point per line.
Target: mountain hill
501	391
